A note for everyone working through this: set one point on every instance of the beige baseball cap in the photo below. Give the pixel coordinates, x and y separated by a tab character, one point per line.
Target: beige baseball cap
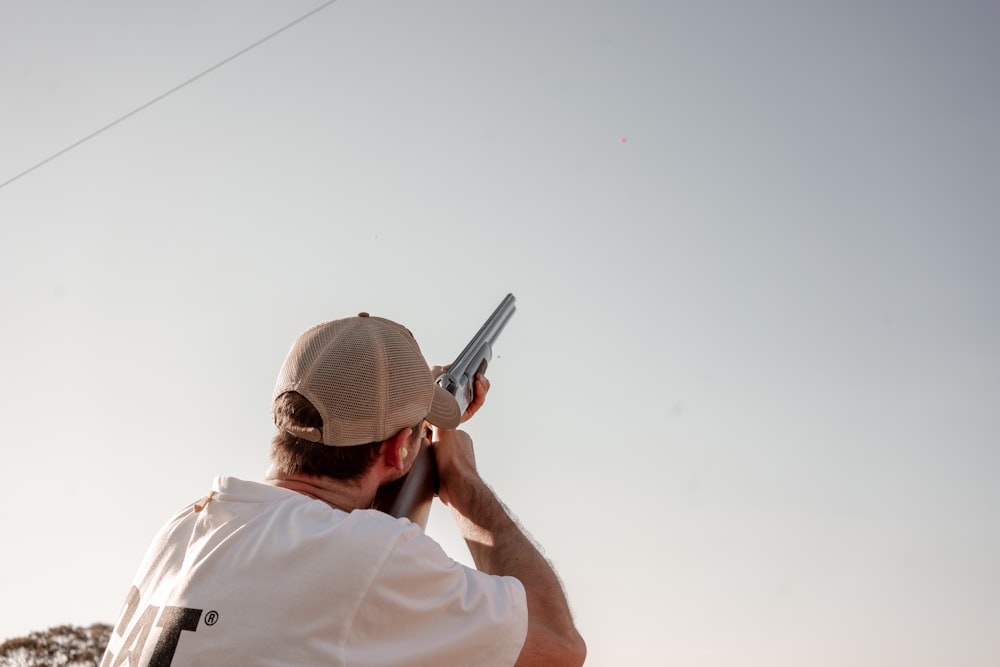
367	378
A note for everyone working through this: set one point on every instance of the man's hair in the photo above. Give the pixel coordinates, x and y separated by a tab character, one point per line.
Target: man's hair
293	455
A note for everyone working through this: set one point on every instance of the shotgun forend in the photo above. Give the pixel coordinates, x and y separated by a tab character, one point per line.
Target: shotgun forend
460	376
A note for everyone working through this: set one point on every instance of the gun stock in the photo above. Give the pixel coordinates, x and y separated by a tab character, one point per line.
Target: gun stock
411	496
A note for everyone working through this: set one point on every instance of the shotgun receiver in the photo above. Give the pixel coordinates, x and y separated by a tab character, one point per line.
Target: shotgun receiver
411	495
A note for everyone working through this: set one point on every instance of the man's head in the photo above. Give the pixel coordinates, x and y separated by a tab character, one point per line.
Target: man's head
366	380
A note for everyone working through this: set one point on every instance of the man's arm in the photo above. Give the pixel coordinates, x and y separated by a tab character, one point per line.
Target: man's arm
500	547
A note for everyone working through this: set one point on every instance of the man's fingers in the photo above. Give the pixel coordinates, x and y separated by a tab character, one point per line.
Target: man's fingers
480	388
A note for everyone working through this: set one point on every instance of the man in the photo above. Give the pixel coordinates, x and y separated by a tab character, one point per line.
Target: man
298	570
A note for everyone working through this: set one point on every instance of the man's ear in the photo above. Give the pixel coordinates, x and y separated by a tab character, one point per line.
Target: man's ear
394	449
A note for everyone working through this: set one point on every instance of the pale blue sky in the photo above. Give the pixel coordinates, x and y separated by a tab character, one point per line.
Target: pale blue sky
748	404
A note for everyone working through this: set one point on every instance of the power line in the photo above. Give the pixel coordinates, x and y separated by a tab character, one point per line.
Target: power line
166	94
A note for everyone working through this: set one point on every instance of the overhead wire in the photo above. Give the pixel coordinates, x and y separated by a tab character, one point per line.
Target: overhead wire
168	93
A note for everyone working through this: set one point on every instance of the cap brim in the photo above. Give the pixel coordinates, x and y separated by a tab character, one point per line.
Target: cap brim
444	409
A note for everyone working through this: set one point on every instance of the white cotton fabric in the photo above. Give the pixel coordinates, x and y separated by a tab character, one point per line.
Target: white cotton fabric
286	580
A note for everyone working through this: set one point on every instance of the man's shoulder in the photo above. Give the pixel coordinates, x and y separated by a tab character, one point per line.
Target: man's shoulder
373	525
307	518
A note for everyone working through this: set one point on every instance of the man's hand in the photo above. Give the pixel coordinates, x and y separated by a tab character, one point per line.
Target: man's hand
480	387
456	463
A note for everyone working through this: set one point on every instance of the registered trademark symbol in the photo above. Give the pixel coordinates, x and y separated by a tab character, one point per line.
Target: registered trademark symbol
211	618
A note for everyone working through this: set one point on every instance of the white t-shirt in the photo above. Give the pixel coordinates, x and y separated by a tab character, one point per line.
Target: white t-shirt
266	576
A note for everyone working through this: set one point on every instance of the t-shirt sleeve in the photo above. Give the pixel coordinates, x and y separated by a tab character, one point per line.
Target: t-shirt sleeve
423	608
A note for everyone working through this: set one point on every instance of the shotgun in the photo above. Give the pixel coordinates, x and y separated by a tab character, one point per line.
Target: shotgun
411	495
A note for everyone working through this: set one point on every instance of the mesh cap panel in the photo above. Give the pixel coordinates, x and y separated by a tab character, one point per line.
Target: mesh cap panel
365	376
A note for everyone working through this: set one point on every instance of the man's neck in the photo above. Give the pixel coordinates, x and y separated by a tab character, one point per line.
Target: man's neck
338	494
